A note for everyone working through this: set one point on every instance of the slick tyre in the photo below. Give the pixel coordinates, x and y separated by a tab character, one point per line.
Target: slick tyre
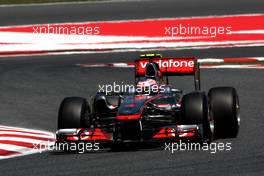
224	110
194	111
74	112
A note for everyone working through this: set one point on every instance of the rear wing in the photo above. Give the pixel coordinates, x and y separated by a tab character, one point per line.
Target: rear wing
171	67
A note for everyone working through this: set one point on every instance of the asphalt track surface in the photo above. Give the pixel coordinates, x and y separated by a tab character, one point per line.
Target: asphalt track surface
32	88
126	10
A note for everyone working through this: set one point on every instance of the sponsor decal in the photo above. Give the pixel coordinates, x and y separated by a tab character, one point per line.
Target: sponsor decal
169	65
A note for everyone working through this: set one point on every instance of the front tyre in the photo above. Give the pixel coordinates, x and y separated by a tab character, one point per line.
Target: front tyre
224	110
74	112
194	111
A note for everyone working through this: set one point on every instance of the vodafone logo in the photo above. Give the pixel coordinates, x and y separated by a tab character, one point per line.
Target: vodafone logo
171	63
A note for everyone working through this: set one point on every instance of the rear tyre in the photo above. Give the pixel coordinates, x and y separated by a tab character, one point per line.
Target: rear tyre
194	111
74	112
224	110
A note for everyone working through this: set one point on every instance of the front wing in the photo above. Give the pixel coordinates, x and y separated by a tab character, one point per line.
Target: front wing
168	133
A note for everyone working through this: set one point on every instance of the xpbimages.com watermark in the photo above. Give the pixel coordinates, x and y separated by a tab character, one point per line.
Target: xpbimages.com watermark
191	146
80	147
129	88
189	30
66	30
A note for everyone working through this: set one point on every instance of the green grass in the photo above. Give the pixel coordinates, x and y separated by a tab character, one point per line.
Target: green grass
37	1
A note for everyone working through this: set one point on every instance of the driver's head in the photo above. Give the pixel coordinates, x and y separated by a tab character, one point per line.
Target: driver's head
147	86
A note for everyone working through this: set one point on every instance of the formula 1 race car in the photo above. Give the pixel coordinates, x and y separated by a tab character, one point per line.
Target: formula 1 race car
152	110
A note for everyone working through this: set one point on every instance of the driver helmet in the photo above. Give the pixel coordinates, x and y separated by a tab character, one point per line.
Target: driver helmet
147	86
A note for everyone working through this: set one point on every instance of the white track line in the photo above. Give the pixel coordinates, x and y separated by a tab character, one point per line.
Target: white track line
235	66
65	3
